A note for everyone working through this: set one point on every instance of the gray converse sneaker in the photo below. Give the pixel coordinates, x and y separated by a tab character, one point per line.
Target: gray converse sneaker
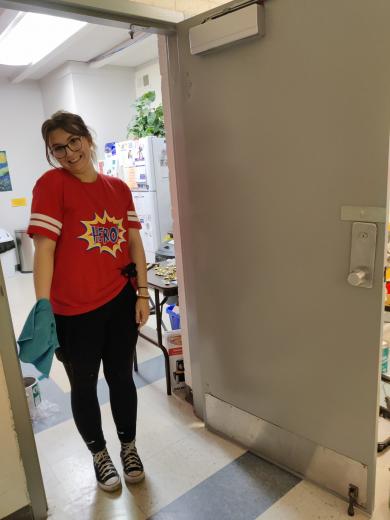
133	470
106	475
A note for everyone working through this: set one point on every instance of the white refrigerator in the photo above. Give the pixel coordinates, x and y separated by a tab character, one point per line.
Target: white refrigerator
143	165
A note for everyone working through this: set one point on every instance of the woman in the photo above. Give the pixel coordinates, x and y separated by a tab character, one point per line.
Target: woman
90	262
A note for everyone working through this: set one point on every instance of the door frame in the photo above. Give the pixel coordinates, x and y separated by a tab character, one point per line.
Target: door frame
171	95
19	408
120	14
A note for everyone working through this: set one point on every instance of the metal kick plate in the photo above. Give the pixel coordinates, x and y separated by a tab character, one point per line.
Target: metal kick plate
316	463
363	247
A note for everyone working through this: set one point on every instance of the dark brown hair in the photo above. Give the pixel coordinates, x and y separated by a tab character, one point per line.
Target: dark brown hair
71	123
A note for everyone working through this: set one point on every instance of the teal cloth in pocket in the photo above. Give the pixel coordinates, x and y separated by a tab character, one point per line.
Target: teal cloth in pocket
38	339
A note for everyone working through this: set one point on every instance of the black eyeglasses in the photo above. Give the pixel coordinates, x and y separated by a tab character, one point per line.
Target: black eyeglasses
59	151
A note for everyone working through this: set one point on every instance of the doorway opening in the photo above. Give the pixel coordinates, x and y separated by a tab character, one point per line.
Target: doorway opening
100	76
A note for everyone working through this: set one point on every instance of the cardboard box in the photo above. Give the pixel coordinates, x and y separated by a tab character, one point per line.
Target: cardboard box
173	343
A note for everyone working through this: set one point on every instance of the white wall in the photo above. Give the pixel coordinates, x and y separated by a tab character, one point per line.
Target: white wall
152	70
57	91
13	486
103	97
20	136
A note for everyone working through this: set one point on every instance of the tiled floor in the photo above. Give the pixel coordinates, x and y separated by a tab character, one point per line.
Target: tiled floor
191	473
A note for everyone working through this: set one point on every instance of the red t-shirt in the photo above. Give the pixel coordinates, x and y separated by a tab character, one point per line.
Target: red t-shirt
89	222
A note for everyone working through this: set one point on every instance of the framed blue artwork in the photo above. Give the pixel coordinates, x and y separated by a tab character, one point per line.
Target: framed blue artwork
5	179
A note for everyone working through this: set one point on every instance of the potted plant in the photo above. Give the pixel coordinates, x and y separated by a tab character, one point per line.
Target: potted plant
148	120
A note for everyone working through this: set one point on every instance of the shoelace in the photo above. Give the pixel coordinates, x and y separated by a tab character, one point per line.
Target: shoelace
104	465
130	457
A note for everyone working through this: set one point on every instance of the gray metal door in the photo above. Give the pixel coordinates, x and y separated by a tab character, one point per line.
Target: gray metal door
273	138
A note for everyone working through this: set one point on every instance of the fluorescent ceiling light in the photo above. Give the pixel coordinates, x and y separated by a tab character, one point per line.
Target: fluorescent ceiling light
32	36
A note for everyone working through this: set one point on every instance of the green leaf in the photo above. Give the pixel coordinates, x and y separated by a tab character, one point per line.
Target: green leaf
149	96
152	116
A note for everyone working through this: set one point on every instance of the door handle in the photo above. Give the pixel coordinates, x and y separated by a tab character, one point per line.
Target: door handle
363	246
357	278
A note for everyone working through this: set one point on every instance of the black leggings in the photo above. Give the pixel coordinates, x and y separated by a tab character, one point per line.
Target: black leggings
107	334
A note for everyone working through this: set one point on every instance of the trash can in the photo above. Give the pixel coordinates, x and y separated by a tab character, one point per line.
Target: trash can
7	253
33	393
25	247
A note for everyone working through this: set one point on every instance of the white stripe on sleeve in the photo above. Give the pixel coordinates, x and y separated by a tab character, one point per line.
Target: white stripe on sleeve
40	223
46	218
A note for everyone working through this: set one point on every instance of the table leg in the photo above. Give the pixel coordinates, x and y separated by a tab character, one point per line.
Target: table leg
135	359
159	340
